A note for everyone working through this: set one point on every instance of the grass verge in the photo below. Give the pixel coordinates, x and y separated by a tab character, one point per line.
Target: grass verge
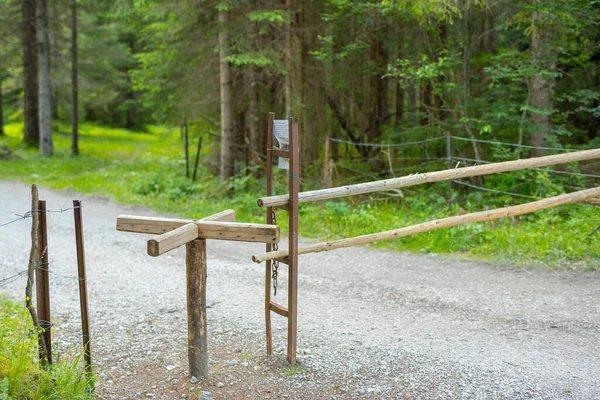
21	377
148	169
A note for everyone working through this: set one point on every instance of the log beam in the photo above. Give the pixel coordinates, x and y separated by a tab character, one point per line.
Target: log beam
171	240
437	176
207	229
575	197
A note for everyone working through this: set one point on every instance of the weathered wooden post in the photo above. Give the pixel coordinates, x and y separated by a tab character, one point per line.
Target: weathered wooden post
173	233
42	283
83	297
286	133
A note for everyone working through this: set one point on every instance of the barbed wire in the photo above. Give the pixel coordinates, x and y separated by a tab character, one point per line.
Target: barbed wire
381	145
525	146
11	279
493	190
30	213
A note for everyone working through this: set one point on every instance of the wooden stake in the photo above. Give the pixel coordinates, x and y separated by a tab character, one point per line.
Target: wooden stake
449	166
482	216
42	284
437	176
197	158
325	162
195	262
83	297
34	261
185	145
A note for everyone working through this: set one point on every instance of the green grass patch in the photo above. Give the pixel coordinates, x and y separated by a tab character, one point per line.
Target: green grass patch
21	377
147	168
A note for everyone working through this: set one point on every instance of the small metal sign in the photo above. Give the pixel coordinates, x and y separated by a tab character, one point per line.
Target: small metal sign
281	131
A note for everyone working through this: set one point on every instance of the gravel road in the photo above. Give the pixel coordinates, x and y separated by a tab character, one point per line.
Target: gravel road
372	324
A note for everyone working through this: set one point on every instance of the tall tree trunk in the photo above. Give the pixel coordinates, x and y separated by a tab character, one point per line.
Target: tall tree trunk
412	102
31	121
309	100
74	86
1	111
45	92
227	135
289	59
543	57
254	120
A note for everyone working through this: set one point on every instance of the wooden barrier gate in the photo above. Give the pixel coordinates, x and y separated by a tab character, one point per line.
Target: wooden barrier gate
173	233
289	202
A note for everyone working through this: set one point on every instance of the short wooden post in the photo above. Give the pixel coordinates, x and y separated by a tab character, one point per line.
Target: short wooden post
325	162
197	158
185	145
449	165
195	261
83	298
42	283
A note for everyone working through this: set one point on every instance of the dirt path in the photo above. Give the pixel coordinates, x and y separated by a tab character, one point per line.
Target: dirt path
372	324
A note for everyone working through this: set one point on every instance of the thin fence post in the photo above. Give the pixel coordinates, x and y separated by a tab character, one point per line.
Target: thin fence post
83	298
195	262
197	158
185	145
449	165
42	283
325	162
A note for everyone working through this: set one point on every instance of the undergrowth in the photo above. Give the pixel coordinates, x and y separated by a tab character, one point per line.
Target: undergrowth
147	168
21	376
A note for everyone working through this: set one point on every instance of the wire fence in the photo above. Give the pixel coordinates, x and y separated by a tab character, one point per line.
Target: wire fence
396	159
5	281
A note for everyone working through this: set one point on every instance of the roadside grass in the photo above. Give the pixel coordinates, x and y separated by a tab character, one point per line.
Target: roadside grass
21	376
147	168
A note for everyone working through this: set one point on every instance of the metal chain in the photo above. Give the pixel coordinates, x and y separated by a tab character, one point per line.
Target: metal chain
274	263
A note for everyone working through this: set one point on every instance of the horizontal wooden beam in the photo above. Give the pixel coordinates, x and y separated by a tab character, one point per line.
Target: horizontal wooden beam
156	225
223	216
595	202
171	240
512	211
277	309
236	231
437	176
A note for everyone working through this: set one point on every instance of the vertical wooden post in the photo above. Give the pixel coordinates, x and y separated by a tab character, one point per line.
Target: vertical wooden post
83	298
195	262
269	246
449	165
294	175
42	283
197	158
325	162
185	145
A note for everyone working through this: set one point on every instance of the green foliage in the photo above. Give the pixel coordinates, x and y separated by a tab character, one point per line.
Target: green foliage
147	169
21	376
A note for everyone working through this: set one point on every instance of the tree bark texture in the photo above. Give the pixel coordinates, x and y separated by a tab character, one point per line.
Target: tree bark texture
31	130
289	59
34	261
74	86
255	135
227	134
542	85
45	92
1	111
195	261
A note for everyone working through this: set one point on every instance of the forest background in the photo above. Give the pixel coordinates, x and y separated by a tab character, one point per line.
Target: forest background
388	81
